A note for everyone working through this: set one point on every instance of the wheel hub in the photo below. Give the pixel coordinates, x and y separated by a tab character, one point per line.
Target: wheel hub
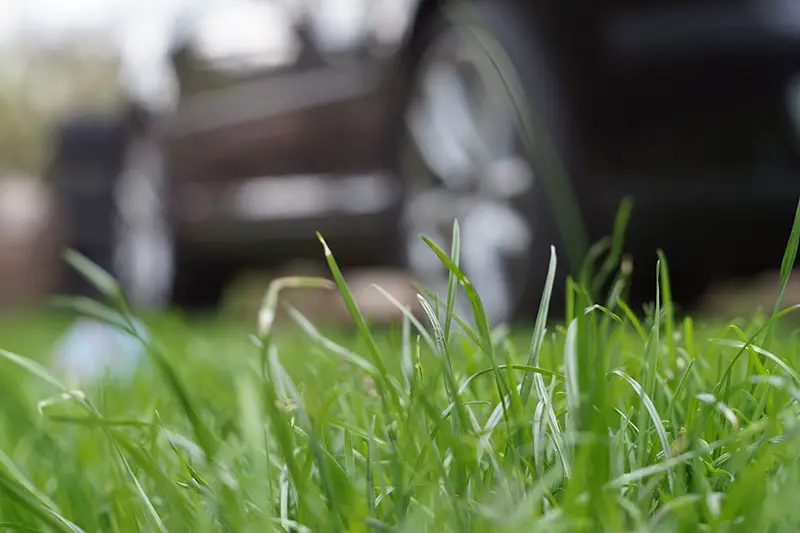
143	248
464	162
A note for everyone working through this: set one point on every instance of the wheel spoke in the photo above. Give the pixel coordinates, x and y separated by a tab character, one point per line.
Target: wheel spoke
143	252
461	127
441	127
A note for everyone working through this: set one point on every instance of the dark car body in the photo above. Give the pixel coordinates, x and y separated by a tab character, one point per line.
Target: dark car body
686	105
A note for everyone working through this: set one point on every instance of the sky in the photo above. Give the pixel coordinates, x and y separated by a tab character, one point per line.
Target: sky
240	24
137	30
141	31
54	20
257	33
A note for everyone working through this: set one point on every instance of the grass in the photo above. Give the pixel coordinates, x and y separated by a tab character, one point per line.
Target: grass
614	421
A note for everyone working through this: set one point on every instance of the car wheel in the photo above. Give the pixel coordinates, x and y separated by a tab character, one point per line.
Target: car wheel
143	247
110	185
200	281
467	152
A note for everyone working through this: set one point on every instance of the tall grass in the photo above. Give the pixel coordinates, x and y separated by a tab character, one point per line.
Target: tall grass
613	421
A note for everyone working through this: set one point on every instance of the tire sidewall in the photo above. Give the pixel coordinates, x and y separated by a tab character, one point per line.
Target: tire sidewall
92	156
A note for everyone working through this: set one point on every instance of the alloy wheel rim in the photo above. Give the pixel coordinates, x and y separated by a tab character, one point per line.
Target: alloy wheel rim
143	244
464	161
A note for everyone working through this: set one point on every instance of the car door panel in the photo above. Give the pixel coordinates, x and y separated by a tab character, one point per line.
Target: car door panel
319	110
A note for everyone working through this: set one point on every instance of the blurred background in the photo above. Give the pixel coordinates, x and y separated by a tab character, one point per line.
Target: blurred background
79	73
194	147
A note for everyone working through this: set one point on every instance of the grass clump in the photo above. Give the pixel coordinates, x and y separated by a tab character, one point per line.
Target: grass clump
612	422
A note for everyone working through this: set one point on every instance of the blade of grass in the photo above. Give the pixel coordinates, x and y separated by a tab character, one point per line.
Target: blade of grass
460	421
539	327
343	353
481	319
669	312
655	417
787	264
614	256
452	282
650	372
387	393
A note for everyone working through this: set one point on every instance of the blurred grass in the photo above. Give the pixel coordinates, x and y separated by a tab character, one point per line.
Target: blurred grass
616	421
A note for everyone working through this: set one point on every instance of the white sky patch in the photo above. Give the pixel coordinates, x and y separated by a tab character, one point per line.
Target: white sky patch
252	33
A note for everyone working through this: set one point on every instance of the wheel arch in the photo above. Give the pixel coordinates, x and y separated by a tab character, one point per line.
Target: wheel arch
549	17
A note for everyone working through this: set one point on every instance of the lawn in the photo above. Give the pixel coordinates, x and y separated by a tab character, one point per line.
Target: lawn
613	420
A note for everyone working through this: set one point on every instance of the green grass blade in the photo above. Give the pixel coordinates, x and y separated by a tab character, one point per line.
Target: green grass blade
787	265
460	421
655	418
637	324
15	493
343	353
452	282
35	369
614	256
409	316
761	351
571	381
95	275
669	311
385	389
539	327
481	320
650	373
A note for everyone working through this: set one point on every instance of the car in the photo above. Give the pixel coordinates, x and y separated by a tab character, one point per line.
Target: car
528	121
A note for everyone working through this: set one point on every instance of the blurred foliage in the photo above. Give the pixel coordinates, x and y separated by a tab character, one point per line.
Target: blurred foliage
37	89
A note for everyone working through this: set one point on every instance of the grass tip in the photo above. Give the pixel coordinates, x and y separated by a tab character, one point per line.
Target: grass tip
324	244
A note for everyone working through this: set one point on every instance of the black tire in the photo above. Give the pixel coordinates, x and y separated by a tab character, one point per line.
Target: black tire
88	161
199	282
548	116
88	157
